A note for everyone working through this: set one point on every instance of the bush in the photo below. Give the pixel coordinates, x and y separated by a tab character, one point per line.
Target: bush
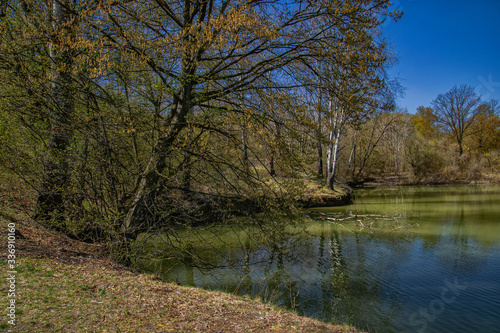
425	161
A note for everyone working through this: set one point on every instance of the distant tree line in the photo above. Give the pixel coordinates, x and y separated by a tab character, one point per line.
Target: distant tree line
456	139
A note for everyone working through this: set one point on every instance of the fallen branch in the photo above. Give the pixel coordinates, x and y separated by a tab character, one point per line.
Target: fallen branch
365	220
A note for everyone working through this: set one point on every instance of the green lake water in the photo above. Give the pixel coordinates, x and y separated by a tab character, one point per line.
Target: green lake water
437	270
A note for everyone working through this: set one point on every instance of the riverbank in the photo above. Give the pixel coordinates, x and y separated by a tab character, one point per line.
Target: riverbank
317	195
62	285
406	179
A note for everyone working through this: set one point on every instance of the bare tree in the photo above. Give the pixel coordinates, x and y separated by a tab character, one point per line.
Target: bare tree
456	111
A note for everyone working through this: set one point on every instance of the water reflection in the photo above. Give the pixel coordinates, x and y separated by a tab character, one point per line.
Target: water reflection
380	280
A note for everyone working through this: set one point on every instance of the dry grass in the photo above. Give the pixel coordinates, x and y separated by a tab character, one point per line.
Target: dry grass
90	296
317	195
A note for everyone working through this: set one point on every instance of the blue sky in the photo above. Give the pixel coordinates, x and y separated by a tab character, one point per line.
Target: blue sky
441	43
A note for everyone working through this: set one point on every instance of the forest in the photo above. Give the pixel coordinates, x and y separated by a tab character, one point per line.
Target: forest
122	117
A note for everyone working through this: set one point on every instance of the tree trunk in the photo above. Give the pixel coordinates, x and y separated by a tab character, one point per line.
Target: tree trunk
352	157
244	147
56	173
335	156
142	207
333	146
186	174
272	170
320	146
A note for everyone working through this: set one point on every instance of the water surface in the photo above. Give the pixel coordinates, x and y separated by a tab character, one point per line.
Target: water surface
435	272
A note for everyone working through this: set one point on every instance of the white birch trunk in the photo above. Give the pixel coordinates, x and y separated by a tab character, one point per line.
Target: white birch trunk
337	122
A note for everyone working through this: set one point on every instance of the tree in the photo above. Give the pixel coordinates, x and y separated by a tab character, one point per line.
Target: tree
214	50
56	174
351	77
37	64
456	112
366	138
397	138
319	135
424	121
486	128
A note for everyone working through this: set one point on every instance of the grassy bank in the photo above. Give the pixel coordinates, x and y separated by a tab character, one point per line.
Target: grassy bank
63	285
88	295
317	195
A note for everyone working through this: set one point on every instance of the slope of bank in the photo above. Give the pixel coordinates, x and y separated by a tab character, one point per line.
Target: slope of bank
63	285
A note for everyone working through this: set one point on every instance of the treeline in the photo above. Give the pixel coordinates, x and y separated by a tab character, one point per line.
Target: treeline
455	140
132	116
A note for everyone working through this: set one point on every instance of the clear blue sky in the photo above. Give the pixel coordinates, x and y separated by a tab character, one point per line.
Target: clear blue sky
441	43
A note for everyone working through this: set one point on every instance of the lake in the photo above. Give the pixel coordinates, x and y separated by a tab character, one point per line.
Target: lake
432	264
